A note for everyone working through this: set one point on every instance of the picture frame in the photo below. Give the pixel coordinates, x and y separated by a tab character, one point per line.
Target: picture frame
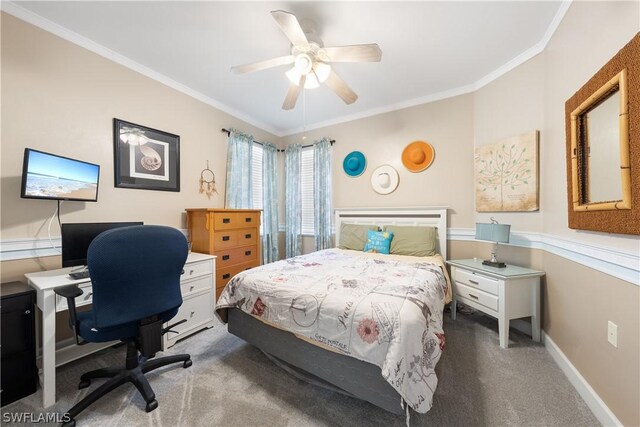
145	158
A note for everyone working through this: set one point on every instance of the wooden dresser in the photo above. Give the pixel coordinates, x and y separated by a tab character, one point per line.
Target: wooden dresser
233	235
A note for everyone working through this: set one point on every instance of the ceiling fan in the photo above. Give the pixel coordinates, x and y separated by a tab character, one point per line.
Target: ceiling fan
311	61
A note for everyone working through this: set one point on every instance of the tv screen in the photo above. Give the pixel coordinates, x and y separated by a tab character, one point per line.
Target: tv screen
76	238
47	176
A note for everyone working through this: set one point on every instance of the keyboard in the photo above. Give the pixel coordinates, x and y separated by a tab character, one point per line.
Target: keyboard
79	275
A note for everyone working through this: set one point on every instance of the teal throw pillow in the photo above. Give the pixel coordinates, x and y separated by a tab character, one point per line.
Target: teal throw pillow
378	241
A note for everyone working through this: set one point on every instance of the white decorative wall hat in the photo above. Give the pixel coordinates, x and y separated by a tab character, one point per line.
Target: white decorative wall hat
384	179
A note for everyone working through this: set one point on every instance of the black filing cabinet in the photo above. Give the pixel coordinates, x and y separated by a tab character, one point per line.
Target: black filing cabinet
19	376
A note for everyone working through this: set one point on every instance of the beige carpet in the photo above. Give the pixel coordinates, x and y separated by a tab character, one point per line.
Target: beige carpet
234	384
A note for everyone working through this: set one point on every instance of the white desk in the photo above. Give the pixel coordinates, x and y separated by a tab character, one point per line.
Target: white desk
197	285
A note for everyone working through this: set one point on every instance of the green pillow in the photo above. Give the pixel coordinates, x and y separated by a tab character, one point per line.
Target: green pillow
413	240
378	242
354	236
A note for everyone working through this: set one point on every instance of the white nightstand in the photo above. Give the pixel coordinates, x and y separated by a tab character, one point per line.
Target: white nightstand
504	293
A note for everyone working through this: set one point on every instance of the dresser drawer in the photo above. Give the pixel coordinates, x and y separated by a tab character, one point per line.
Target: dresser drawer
223	275
235	256
247	236
196	311
84	299
234	220
476	281
225	239
196	269
475	295
188	287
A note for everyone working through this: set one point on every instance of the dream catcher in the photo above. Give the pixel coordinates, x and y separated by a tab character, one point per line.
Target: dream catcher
207	182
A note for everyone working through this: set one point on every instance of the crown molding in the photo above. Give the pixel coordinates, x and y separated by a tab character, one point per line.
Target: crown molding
32	18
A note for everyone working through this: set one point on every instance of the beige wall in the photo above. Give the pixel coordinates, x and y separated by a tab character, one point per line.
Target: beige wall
590	34
446	124
509	106
63	99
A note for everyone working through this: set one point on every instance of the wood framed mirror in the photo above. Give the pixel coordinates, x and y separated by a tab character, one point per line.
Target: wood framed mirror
603	157
600	172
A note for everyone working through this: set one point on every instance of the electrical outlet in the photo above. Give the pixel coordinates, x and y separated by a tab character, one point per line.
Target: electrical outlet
612	334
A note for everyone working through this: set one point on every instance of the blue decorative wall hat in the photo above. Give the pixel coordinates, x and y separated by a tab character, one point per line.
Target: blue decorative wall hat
354	164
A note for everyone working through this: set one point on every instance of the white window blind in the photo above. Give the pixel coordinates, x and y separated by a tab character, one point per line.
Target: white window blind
256	176
306	182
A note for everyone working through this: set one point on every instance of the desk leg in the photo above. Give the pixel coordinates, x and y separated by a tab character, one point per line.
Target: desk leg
48	349
454	309
535	318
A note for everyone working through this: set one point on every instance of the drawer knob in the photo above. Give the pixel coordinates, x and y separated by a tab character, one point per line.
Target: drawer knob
190	272
27	312
225	257
225	238
473	296
247	236
248	219
247	253
226	220
192	313
226	276
191	288
473	281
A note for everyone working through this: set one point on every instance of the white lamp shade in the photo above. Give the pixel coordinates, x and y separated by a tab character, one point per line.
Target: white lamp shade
492	232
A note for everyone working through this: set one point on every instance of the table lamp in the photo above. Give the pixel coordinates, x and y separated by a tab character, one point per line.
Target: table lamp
493	232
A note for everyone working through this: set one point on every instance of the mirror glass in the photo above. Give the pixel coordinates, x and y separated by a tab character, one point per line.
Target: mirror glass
602	151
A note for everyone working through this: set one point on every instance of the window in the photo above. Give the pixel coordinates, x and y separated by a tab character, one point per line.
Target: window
306	184
256	176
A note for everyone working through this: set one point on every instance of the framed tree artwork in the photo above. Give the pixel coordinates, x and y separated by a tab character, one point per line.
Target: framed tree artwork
145	158
506	175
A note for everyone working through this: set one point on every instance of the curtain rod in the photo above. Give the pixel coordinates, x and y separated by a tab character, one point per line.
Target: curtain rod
227	131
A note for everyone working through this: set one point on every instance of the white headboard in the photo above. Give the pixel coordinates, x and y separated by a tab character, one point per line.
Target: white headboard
428	216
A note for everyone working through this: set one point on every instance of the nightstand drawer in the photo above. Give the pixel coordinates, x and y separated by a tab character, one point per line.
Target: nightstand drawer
476	281
478	296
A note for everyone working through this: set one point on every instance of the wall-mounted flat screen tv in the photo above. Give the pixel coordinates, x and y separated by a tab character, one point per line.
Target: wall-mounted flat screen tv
47	176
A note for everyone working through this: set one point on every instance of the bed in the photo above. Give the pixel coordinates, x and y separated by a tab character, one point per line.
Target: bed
367	325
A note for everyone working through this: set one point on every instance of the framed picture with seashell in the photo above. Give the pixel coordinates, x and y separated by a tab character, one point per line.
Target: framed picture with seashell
145	158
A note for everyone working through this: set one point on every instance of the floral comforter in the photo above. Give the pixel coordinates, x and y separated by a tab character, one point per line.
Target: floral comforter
381	310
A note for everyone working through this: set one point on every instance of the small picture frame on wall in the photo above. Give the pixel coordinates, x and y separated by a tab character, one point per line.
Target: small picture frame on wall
145	158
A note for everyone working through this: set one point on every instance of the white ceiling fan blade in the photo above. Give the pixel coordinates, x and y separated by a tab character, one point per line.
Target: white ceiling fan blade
290	27
263	65
292	93
354	53
341	89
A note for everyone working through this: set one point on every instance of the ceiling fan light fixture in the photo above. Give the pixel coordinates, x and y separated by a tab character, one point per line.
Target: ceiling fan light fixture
322	71
311	81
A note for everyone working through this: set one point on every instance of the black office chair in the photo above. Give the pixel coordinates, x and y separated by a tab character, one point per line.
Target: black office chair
135	274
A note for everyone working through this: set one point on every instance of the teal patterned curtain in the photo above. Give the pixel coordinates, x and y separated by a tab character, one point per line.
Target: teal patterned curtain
293	200
239	155
322	193
269	203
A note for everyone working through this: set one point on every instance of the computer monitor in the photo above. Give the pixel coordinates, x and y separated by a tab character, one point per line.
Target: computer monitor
76	238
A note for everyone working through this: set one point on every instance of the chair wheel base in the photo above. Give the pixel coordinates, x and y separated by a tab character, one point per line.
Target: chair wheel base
84	384
151	405
70	423
187	363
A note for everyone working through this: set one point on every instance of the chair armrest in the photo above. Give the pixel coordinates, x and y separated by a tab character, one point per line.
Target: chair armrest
71	292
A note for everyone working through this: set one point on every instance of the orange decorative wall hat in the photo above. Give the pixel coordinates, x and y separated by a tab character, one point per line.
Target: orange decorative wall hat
418	156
